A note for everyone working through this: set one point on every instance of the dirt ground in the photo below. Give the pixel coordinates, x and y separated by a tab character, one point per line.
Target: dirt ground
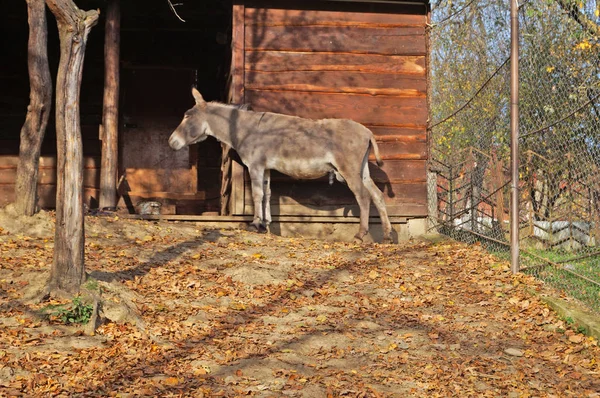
200	312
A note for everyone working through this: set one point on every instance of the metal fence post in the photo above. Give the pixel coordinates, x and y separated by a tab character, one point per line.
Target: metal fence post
450	195
514	134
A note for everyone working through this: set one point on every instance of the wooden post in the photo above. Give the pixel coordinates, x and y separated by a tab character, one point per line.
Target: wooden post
67	271
110	114
225	179
236	200
38	111
432	201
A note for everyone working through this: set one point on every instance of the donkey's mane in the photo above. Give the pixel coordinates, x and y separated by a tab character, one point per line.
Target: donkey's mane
244	107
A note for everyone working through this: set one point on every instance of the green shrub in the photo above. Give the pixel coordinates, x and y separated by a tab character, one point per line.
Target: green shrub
75	312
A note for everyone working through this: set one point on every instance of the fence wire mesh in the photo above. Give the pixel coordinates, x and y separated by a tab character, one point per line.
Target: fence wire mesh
559	134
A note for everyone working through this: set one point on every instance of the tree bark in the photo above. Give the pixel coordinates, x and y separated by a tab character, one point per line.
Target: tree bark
68	271
38	111
110	117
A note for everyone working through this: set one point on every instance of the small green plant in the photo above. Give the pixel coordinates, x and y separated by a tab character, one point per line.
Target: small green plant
92	284
76	312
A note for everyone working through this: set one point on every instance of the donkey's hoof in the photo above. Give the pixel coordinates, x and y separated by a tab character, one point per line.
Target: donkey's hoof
358	239
388	240
261	229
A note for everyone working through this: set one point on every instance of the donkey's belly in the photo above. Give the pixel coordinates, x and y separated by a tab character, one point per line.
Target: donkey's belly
301	168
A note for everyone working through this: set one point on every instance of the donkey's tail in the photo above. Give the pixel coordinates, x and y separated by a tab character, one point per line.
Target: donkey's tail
376	151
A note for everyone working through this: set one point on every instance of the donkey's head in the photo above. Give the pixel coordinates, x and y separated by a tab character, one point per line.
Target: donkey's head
194	127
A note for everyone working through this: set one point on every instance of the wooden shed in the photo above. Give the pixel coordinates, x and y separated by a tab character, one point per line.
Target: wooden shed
363	60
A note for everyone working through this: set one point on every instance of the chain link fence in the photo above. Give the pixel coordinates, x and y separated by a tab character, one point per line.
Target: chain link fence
559	134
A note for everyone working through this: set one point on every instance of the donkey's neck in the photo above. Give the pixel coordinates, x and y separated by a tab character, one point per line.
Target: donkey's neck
228	124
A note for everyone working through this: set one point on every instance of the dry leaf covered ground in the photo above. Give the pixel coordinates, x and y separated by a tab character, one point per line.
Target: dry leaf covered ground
233	313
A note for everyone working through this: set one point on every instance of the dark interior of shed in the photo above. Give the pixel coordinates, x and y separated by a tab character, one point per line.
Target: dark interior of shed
153	40
161	56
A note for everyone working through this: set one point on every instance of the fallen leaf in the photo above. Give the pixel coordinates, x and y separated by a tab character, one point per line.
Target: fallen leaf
171	381
236	305
576	338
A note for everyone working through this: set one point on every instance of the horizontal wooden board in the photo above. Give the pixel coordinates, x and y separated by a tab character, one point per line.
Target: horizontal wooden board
171	202
168	195
211	217
404	134
160	179
274	61
312	197
311	193
12	161
91	177
340	82
47	170
47	196
401	150
365	109
392	172
278	17
417	7
392	41
350	210
399	171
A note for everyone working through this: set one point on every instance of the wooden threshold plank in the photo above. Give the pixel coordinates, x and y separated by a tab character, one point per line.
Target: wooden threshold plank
249	218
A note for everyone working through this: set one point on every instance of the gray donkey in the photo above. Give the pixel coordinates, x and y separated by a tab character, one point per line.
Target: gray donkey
300	148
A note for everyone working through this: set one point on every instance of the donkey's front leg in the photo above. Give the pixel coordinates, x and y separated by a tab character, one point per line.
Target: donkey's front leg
256	180
267	198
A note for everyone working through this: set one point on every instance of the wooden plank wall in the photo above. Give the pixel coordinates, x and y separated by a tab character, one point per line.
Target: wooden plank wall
369	66
47	180
185	181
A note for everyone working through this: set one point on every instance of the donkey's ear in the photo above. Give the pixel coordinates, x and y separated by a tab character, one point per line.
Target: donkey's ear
197	96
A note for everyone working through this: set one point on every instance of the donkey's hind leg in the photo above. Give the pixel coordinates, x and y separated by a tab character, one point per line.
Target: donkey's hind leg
267	199
379	202
256	181
364	202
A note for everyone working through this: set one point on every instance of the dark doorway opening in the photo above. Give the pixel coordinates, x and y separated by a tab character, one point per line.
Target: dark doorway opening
162	58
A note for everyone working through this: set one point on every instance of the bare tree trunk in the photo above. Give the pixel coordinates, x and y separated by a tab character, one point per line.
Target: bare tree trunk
68	271
110	118
38	111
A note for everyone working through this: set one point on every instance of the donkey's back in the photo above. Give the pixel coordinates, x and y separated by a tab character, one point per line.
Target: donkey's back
304	148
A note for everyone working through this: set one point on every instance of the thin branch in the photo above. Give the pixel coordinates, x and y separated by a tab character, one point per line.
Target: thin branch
175	11
453	14
590	101
570	7
473	96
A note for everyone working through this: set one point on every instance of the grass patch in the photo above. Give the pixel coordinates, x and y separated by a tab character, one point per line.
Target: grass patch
92	284
571	272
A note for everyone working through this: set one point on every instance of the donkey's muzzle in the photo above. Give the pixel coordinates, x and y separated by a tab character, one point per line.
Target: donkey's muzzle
175	143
